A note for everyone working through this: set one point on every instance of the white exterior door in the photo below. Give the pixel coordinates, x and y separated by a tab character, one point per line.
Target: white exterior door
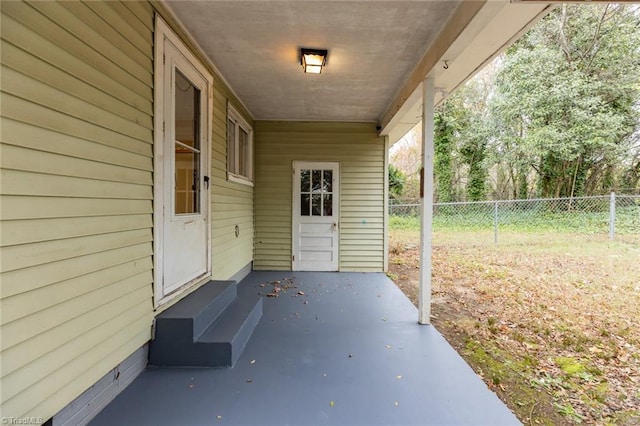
182	164
316	203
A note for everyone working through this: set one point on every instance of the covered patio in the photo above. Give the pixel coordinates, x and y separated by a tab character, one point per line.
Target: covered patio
155	148
331	349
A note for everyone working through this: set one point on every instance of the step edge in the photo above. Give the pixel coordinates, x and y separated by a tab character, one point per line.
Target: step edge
173	313
257	304
224	300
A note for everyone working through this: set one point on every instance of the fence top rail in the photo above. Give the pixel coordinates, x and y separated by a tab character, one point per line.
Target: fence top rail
569	199
463	203
524	200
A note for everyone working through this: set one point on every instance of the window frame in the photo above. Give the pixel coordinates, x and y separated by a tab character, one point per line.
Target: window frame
239	124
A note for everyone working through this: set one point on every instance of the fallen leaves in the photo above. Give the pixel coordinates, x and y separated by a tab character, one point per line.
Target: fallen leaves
548	299
275	292
281	286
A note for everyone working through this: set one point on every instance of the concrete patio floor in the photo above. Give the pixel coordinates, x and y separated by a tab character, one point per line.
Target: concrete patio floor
333	349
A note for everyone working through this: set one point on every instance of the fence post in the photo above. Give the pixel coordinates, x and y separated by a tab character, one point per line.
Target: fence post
612	216
495	222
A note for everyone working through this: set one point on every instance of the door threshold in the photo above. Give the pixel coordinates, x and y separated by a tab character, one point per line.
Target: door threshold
176	295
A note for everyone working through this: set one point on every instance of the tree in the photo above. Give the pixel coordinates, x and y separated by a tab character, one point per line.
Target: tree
406	156
444	145
396	182
468	110
557	115
566	101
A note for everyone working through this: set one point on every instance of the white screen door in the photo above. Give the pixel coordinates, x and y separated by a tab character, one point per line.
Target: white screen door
184	197
316	202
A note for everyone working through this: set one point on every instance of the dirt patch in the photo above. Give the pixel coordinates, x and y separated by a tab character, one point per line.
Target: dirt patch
553	328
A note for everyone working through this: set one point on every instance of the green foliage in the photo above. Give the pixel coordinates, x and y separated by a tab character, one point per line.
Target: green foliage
476	188
396	181
570	366
566	100
404	223
444	143
460	139
567	410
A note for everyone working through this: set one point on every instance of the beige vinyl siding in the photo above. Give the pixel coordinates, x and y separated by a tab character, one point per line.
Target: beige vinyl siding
360	153
231	202
77	198
76	214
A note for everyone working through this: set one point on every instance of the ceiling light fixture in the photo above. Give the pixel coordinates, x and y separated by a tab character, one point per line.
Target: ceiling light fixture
313	60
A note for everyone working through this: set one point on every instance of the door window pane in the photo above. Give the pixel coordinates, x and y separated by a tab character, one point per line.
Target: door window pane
186	181
305	203
316	207
327	180
305	181
316	180
327	205
187	125
187	146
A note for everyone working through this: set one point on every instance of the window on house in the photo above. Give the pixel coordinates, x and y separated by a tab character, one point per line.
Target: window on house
239	148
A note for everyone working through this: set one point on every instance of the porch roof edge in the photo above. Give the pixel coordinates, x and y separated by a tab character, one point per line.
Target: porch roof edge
481	34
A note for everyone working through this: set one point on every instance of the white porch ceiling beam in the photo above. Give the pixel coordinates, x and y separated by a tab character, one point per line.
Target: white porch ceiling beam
476	33
461	18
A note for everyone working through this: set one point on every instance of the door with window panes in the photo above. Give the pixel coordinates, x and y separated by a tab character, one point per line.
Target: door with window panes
316	216
185	247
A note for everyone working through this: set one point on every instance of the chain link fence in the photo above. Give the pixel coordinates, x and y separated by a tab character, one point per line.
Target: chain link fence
612	215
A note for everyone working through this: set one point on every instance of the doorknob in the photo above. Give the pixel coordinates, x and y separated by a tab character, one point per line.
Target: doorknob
334	227
206	181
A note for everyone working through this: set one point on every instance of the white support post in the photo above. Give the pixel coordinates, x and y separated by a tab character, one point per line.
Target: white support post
426	203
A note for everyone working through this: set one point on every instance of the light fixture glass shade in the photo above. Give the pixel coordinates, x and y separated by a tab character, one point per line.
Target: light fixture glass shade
313	69
313	60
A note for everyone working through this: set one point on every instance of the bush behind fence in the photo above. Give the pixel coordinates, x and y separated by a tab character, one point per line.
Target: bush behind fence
612	215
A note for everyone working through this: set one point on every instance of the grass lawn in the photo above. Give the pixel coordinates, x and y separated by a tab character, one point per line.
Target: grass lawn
550	321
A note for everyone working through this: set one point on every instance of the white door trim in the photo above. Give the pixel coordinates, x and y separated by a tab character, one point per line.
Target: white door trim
163	32
296	218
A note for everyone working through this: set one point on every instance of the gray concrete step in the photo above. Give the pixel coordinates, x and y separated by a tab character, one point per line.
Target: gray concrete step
233	329
187	319
208	328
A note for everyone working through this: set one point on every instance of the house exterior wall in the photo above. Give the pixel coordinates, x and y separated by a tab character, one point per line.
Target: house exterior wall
77	197
232	202
361	154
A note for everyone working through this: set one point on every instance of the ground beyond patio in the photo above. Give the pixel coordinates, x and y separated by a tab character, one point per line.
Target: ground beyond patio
332	348
549	320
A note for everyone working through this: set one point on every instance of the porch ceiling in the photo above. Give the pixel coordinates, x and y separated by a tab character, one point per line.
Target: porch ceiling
375	49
